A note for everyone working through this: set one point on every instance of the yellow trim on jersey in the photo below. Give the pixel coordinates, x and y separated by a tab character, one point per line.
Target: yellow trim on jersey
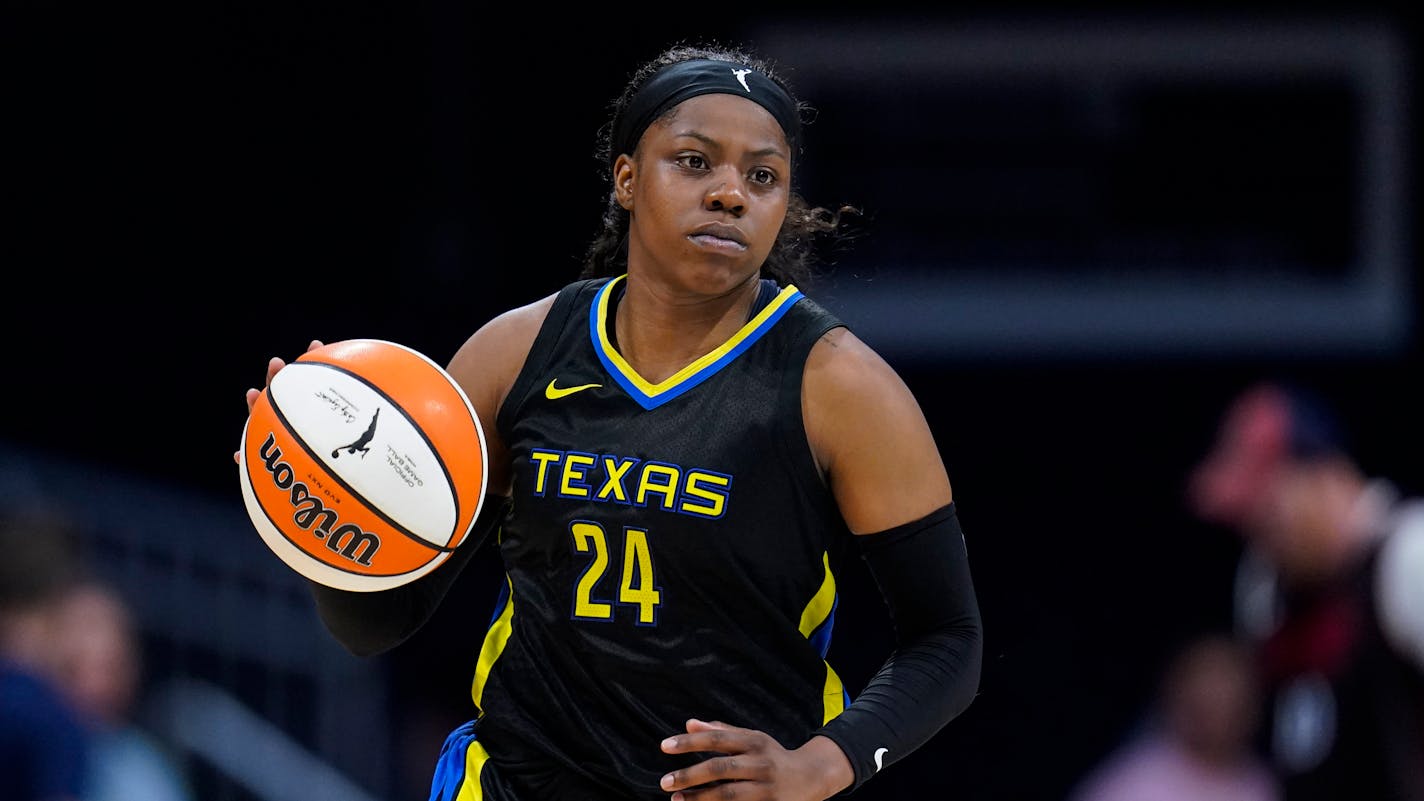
812	618
753	326
821	603
495	639
470	788
834	695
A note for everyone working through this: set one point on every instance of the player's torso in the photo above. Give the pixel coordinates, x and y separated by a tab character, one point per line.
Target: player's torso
669	548
1345	713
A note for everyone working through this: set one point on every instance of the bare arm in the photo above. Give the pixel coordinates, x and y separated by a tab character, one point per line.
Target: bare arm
486	366
870	437
884	467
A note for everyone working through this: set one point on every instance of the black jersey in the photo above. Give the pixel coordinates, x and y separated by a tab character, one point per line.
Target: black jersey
670	551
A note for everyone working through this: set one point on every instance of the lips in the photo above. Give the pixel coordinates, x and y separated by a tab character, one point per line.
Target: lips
719	234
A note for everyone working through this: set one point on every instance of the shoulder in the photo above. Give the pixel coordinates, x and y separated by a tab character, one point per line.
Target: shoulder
521	321
486	366
869	436
33	704
848	385
1399	594
512	333
843	369
502	343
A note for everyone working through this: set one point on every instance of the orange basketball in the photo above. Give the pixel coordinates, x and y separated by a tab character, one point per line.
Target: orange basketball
363	465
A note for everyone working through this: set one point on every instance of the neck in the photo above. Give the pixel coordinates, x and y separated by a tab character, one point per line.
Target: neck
661	329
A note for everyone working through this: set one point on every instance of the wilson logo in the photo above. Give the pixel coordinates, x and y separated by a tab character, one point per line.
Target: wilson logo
312	515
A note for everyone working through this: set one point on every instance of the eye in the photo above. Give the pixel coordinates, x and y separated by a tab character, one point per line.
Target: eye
691	161
763	176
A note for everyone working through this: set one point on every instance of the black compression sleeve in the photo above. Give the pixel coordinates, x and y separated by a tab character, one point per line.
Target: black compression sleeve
368	623
922	570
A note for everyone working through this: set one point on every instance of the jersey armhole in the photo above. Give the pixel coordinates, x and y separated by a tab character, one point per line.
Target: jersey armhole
540	351
794	441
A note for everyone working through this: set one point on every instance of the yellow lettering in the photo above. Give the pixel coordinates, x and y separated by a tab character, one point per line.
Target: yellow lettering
544	459
613	484
588	536
659	479
716	498
638	564
574	463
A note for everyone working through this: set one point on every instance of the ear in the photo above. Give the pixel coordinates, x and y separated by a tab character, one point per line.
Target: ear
623	172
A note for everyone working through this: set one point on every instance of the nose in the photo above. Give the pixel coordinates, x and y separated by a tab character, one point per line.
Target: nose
726	192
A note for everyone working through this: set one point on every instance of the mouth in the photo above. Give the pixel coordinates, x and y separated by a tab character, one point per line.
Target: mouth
719	237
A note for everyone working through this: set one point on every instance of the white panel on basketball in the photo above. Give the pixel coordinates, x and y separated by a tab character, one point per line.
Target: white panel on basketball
331	411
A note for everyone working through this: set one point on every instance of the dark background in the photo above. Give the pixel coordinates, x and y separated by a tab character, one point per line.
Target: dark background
196	188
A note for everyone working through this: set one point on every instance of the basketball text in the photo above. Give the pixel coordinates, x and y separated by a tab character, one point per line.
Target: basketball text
346	539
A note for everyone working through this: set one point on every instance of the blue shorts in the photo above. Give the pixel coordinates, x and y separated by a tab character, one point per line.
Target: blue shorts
463	772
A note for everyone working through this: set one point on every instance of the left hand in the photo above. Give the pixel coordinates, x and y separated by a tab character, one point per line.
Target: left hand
754	767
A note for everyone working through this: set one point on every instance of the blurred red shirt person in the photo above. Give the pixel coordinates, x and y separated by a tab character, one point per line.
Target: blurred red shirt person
1329	591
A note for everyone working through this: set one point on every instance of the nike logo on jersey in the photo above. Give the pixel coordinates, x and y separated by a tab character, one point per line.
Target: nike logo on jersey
554	393
879	755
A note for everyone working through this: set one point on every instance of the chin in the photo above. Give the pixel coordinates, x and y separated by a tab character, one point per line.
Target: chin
720	278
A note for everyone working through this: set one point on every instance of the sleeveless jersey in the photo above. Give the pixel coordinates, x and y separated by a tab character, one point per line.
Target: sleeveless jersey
670	552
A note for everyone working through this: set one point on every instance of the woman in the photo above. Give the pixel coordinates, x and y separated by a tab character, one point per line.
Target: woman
682	446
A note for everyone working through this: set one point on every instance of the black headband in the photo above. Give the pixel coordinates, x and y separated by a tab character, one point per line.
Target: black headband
678	82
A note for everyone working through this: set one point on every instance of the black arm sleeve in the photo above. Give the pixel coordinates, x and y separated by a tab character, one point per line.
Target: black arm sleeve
368	623
922	570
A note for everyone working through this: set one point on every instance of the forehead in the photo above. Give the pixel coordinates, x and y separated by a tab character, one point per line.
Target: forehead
724	118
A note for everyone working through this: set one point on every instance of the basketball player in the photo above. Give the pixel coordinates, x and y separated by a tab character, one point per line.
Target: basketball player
1330	592
44	752
682	448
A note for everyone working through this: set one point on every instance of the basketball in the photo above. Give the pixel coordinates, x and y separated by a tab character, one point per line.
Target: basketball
363	465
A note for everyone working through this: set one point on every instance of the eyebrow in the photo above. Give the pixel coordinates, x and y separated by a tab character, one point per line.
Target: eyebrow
764	152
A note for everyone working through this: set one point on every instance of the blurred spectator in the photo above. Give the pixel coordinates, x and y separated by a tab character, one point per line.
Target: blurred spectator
99	665
1198	743
1330	590
42	746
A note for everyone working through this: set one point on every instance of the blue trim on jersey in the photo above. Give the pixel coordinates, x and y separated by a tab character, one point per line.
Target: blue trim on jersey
500	602
450	768
651	396
821	637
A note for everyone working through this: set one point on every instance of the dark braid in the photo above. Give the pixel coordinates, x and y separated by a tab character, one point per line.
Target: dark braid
794	253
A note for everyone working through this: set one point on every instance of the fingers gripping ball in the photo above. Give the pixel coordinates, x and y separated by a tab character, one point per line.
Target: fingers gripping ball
363	465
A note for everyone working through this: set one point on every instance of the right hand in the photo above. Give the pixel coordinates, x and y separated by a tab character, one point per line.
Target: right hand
273	365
